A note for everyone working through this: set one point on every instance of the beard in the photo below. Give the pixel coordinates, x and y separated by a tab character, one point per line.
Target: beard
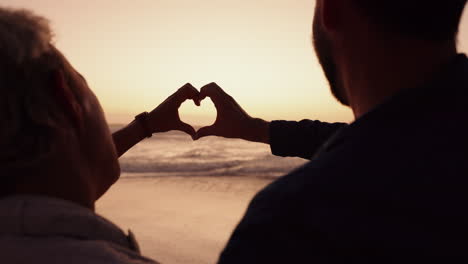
323	49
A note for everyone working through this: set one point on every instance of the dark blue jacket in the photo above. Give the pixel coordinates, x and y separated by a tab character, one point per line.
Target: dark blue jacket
390	188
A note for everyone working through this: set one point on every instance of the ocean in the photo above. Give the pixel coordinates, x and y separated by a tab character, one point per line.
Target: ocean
176	154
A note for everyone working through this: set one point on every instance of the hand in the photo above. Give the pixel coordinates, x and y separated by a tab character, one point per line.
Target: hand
166	116
232	121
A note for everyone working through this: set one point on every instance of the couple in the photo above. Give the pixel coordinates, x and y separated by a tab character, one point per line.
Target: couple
389	188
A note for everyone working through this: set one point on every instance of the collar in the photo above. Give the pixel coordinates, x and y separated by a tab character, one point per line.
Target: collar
38	216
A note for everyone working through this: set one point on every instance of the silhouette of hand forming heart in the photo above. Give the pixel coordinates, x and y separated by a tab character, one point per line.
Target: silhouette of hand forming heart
166	116
231	120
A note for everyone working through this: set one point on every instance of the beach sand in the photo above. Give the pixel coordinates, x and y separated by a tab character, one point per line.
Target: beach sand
180	219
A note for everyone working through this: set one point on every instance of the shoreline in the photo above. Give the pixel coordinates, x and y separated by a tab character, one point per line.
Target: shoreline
180	219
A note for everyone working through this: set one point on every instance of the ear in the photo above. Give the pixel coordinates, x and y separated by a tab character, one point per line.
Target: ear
332	14
66	100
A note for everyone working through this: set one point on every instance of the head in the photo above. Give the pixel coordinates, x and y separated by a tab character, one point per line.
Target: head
354	23
54	139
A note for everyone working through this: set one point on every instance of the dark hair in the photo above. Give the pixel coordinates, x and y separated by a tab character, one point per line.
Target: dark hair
434	20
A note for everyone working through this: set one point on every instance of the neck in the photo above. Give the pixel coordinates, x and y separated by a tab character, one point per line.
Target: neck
375	75
63	174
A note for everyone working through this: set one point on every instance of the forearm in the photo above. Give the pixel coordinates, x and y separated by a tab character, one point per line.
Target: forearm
127	137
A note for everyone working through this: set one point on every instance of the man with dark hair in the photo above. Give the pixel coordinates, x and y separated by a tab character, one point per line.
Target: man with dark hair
392	186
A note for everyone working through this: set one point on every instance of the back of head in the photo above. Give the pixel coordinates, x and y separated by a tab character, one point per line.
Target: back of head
29	118
431	20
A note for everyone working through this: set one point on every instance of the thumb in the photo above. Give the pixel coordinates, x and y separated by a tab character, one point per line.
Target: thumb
184	127
205	132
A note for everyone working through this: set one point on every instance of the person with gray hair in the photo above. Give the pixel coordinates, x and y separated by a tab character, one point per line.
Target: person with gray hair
57	153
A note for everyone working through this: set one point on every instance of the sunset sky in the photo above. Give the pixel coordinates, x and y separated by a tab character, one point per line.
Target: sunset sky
136	53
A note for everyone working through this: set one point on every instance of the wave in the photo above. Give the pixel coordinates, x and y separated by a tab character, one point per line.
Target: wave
175	154
266	166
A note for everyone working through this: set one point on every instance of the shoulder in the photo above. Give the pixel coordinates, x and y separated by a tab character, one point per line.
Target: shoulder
292	197
276	226
57	250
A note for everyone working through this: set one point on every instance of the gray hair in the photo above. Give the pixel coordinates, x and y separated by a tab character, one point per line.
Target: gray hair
23	35
28	114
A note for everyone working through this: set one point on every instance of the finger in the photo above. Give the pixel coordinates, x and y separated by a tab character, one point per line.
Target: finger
205	132
187	92
217	95
193	94
184	127
211	90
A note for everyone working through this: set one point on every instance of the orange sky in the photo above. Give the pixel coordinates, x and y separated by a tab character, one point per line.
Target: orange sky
136	53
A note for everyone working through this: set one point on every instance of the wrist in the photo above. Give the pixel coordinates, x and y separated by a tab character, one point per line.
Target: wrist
260	131
137	131
153	121
143	120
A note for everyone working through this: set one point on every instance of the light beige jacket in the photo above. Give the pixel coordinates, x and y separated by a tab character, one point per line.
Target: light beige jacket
45	230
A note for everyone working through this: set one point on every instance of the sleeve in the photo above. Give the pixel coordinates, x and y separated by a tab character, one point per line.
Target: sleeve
300	139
